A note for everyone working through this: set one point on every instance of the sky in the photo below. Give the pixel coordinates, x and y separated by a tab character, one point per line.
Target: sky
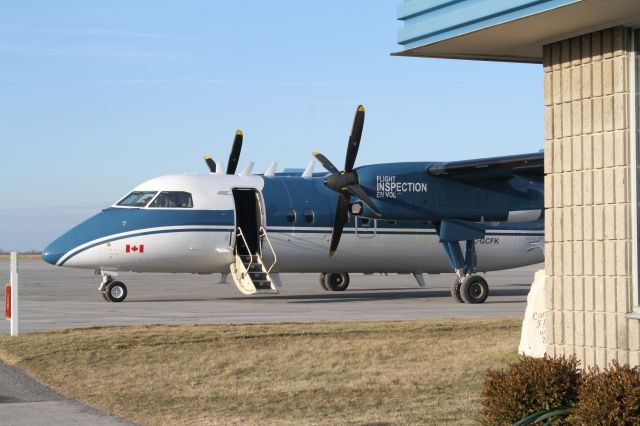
97	97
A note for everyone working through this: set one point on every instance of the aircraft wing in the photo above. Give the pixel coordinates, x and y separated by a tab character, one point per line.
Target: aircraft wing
530	165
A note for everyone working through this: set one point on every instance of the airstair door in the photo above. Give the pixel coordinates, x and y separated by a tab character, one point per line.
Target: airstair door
249	272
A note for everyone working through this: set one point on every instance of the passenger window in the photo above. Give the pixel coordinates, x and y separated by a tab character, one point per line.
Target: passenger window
364	221
291	216
137	199
173	199
309	215
391	222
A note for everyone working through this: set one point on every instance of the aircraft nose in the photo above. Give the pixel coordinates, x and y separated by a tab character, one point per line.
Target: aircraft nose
67	245
54	251
51	254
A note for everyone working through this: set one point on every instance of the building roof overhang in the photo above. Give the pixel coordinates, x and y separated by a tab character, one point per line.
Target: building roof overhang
514	38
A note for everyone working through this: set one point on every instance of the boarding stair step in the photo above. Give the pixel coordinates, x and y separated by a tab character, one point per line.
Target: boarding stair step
246	258
250	276
262	284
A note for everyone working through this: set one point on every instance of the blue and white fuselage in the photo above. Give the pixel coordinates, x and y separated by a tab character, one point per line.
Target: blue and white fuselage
297	214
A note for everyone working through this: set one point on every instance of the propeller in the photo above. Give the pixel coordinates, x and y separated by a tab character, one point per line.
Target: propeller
210	163
234	156
346	182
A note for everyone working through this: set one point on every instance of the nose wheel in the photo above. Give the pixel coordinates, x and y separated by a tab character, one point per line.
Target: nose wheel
112	291
115	292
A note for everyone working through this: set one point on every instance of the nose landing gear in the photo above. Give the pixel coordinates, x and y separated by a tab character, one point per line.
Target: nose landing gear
112	291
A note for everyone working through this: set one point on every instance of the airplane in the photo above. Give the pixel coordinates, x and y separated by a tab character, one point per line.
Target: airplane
395	217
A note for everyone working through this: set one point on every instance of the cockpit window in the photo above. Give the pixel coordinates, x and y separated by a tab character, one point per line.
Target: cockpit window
173	199
137	199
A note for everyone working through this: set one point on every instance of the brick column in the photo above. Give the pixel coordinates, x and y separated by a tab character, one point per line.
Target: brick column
587	198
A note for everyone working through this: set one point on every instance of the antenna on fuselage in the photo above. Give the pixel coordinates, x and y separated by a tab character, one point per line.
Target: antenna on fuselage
308	172
247	169
271	170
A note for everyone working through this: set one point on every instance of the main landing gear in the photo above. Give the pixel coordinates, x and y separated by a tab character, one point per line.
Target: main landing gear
472	289
112	291
334	281
467	286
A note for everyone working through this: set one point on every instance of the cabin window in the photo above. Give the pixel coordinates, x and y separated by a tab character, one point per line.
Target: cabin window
173	199
391	222
364	221
309	215
137	199
291	216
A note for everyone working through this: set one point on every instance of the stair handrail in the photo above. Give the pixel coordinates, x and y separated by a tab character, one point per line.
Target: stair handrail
263	233
248	267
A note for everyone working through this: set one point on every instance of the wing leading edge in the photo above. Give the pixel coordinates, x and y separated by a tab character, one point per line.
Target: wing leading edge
531	165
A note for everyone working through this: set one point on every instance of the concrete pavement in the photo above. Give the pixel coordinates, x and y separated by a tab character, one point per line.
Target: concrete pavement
53	297
26	402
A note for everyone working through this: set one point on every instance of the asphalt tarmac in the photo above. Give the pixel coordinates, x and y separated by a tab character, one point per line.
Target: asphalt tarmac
25	402
53	297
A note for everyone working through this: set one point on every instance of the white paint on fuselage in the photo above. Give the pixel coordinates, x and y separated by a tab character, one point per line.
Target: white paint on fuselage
388	252
209	192
209	252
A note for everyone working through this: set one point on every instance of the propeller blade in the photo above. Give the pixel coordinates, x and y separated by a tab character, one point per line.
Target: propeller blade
345	183
325	162
342	217
354	139
357	191
210	163
234	157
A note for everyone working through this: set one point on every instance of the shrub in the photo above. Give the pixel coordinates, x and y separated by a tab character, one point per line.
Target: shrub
611	397
529	385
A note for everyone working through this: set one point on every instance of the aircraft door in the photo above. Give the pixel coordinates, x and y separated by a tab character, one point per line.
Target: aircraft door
249	215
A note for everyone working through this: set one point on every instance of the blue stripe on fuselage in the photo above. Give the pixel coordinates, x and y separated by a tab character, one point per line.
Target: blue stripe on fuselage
118	220
114	220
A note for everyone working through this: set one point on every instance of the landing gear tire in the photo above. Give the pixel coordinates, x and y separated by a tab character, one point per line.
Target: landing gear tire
336	281
116	291
322	283
474	289
455	291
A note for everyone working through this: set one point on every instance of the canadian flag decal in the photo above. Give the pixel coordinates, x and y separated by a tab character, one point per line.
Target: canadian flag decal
134	249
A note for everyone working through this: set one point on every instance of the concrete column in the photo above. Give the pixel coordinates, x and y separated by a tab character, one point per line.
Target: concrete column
587	198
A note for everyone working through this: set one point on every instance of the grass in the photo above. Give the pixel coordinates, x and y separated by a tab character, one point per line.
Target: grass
378	372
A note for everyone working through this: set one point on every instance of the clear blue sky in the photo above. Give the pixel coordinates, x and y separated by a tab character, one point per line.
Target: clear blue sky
96	97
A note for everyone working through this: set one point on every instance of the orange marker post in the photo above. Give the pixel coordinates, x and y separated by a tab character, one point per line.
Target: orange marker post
7	301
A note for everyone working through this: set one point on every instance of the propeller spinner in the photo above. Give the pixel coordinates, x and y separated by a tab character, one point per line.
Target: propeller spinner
234	156
346	183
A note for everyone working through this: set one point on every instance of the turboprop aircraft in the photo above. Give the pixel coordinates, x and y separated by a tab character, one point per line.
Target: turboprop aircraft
394	218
